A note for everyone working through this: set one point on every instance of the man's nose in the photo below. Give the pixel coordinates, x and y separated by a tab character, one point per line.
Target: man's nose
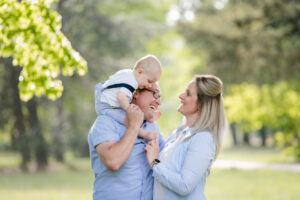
158	101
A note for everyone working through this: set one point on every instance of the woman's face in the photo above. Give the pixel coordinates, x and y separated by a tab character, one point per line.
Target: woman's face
189	100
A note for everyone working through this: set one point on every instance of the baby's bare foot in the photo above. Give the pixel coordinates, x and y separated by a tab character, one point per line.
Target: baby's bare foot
155	116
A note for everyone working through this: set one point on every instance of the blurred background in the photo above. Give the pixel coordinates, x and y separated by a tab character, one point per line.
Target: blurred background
53	53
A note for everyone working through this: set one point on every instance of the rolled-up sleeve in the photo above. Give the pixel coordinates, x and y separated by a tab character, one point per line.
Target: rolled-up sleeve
199	156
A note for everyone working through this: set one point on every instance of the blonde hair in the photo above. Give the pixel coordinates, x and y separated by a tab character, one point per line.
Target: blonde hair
211	113
147	62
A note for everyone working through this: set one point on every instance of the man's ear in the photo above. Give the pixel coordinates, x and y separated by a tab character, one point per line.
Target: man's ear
135	95
140	70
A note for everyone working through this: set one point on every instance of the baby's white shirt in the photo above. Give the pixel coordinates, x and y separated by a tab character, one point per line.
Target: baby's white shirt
109	96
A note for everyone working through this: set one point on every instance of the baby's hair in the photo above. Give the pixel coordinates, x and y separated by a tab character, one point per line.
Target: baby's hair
146	62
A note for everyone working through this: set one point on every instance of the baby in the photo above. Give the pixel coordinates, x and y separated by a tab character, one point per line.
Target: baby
118	90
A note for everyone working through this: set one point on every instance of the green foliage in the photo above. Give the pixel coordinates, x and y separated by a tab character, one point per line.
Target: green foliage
276	107
247	41
30	33
129	9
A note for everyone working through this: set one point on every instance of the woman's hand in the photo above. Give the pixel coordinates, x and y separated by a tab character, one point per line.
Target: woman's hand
152	150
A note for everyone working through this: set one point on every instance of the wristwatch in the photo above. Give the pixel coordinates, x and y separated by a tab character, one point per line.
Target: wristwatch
154	162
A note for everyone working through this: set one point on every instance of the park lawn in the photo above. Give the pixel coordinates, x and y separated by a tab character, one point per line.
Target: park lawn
252	185
9	160
221	185
255	154
74	180
75	185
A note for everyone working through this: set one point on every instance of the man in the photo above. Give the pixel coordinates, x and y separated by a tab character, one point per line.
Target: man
117	154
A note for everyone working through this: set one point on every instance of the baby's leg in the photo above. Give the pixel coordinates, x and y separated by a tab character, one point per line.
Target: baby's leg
117	114
146	135
143	134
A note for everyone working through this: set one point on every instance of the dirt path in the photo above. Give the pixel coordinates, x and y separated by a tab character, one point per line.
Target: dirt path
247	165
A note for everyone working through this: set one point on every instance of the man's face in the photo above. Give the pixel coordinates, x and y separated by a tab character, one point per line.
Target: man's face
147	102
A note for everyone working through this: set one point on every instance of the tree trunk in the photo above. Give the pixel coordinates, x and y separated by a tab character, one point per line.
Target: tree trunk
20	140
57	135
233	133
39	145
263	134
246	138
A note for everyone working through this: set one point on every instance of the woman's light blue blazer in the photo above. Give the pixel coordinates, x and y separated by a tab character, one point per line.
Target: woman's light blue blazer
187	166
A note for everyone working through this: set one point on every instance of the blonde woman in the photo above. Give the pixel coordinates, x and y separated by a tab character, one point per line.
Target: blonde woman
181	168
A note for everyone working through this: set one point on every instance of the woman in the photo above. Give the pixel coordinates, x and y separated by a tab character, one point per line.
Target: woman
184	163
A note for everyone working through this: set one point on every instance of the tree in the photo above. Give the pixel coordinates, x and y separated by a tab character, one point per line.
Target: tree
274	107
12	110
247	41
30	33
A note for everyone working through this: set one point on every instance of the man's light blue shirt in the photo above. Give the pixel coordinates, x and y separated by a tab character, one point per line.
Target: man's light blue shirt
134	179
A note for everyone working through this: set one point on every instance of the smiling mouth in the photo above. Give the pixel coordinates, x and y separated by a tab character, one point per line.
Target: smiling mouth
153	107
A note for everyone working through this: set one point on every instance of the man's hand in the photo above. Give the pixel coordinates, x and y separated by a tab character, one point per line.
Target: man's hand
135	116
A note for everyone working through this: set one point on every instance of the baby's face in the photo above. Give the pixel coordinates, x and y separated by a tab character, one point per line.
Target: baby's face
148	79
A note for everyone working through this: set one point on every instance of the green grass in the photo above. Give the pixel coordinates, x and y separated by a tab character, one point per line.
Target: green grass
74	180
252	185
76	185
221	185
9	160
257	154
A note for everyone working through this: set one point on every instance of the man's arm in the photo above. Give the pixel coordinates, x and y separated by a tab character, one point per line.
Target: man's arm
115	154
